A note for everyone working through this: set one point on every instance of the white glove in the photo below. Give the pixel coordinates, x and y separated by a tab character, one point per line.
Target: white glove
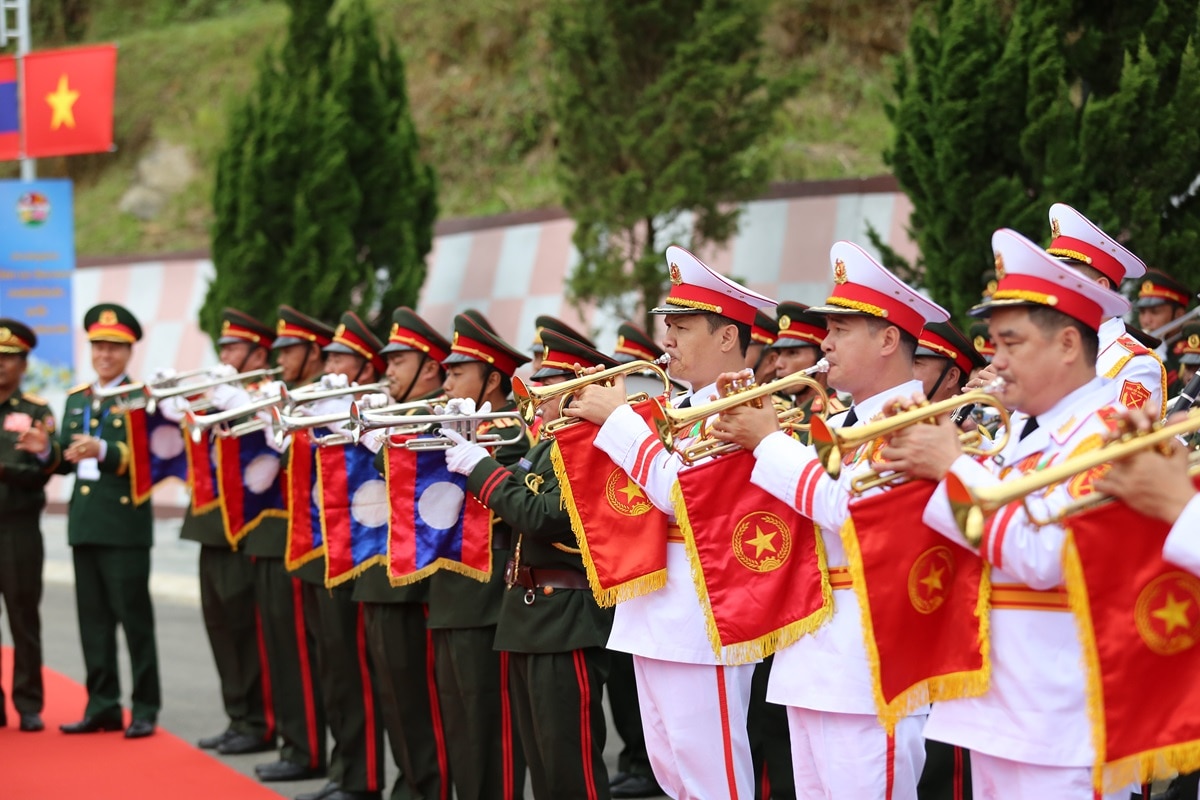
326	407
460	406
162	375
174	408
226	396
374	440
464	456
270	389
486	408
375	400
222	371
334	381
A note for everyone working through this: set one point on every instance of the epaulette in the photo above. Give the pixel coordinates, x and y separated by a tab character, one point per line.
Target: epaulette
1133	345
77	389
1143	338
505	422
35	399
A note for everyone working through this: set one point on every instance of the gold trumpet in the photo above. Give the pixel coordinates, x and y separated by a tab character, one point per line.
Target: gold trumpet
528	398
972	506
832	443
673	424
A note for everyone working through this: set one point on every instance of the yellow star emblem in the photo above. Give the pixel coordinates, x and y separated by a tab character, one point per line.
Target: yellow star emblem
631	491
934	579
1174	613
62	100
762	541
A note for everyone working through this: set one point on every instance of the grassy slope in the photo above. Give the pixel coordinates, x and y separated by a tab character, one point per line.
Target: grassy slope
476	74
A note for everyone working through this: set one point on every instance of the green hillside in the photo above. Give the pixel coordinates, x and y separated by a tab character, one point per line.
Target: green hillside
476	72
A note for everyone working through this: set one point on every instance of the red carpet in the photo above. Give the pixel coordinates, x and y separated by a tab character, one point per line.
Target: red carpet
104	766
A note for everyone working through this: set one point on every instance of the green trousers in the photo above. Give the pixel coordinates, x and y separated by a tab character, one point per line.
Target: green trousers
21	557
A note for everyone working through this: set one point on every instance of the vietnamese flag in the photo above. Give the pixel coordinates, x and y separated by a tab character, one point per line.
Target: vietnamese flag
68	101
10	118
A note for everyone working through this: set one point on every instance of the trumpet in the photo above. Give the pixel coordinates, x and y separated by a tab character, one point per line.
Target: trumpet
972	506
831	443
673	424
175	378
102	393
528	398
369	420
284	423
313	393
199	423
161	391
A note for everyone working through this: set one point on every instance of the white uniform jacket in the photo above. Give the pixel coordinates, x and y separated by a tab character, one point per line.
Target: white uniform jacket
1138	375
1183	542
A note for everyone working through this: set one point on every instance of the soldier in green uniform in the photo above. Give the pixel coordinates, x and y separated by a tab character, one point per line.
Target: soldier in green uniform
550	624
761	354
1162	300
545	322
291	651
110	536
945	360
24	471
395	616
981	341
485	754
799	347
226	576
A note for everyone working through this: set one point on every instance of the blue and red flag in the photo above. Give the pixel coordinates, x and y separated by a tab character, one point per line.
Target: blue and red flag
304	539
432	525
157	452
354	511
250	486
10	116
202	473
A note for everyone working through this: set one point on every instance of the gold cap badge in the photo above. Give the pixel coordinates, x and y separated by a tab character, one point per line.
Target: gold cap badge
785	322
1000	273
676	275
108	317
1055	227
839	272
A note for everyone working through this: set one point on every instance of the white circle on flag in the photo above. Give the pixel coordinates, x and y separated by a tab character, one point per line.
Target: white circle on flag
440	504
260	473
166	441
369	506
316	494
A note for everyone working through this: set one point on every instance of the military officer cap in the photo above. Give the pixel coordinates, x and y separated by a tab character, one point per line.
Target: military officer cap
563	353
294	327
238	326
696	289
944	340
1188	347
1158	287
16	337
476	342
109	322
548	323
476	316
765	329
1029	275
411	333
634	344
981	340
861	285
1077	238
353	336
799	327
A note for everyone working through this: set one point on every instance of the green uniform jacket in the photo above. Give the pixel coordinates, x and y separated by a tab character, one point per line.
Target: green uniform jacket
208	528
456	601
23	476
102	511
530	500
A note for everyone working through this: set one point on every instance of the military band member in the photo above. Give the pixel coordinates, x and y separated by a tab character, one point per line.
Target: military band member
291	649
839	748
982	342
394	617
1162	300
110	536
801	333
486	758
1138	374
761	355
945	360
693	707
1187	350
23	475
545	322
1029	735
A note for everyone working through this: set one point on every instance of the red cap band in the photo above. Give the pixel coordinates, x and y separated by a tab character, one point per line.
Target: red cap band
1106	263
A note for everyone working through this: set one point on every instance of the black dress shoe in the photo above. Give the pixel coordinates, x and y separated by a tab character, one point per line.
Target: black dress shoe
92	725
242	743
282	770
637	786
213	742
32	723
620	777
320	794
139	729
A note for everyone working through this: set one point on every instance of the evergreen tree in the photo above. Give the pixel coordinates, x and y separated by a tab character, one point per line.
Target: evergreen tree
322	200
659	110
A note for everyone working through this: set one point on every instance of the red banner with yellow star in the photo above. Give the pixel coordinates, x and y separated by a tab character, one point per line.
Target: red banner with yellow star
67	100
923	601
1139	619
621	535
759	565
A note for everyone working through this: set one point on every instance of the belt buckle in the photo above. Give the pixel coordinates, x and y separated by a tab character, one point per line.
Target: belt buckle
530	596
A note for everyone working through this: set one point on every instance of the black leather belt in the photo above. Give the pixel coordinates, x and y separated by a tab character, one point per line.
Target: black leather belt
534	579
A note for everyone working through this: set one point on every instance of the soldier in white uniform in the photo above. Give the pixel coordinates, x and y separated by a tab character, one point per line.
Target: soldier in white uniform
839	748
693	707
1029	735
1138	373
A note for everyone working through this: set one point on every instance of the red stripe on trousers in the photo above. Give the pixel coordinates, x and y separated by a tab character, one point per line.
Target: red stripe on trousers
891	766
506	742
364	672
265	670
306	681
726	739
585	722
958	774
435	713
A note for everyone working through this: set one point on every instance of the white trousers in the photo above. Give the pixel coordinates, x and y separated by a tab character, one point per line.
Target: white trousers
694	718
1000	779
851	757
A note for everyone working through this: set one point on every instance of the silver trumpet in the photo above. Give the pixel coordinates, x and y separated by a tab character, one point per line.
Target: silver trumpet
163	390
105	392
366	420
199	423
284	424
313	394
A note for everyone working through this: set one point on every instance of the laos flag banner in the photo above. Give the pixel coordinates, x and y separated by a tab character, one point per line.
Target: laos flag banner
251	486
354	511
304	540
10	119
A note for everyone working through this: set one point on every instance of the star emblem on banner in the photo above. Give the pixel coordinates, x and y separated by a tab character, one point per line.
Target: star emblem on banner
1166	613
62	103
624	495
930	579
762	541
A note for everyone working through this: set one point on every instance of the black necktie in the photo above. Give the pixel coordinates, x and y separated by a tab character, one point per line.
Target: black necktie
851	418
1031	425
687	402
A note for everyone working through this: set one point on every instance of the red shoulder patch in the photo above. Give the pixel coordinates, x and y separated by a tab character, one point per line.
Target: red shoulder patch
1133	345
1134	394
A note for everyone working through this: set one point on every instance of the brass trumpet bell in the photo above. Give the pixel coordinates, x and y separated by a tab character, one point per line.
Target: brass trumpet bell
528	398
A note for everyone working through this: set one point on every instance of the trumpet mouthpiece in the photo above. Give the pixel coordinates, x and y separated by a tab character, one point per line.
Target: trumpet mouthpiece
995	385
818	368
662	360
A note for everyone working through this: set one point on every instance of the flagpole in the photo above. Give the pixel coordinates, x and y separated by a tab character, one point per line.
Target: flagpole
24	44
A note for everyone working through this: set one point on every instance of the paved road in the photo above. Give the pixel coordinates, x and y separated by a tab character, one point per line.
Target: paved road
191	704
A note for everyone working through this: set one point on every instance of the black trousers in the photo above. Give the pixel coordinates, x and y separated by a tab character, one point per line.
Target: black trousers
291	664
21	558
231	618
947	773
770	741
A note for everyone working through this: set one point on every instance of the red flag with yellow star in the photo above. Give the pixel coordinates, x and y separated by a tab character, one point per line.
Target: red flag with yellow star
1139	620
67	101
